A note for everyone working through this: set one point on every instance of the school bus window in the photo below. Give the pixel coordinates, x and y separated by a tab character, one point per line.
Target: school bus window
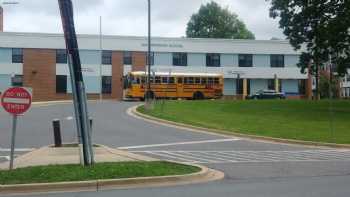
158	80
210	80
216	80
204	80
143	80
138	80
188	80
165	80
197	80
171	80
179	80
151	79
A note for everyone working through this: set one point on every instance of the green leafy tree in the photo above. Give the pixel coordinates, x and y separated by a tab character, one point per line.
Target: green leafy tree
325	90
320	27
212	21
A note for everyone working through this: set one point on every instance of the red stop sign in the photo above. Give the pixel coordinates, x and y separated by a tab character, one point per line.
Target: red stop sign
16	100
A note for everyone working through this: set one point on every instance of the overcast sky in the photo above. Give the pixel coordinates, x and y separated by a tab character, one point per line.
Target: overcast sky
129	17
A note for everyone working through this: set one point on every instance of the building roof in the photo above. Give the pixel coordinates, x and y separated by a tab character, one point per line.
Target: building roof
159	44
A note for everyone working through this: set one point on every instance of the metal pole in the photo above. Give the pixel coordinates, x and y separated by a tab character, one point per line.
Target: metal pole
13	140
57	132
149	53
76	108
101	96
330	108
66	9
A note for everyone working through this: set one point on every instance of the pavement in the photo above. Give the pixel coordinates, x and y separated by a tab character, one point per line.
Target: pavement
70	155
251	167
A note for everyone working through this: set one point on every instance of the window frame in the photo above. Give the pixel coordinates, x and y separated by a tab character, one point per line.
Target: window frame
127	58
180	59
213	62
17	55
245	60
276	62
106	87
64	85
61	58
106	57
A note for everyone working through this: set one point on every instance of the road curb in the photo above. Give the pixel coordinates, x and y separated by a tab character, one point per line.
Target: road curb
205	175
133	111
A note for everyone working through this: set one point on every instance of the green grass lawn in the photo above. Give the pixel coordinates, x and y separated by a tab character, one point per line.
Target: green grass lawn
290	119
63	173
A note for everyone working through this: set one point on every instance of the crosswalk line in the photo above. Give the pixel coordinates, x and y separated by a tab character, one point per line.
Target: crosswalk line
252	156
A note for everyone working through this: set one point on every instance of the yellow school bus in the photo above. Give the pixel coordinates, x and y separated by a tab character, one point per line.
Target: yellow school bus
174	85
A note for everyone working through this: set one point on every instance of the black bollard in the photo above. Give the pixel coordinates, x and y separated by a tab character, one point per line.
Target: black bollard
57	132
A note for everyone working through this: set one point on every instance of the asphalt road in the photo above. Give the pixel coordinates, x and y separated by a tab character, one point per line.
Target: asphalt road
252	168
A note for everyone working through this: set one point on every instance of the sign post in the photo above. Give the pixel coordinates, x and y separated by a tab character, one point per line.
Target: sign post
16	101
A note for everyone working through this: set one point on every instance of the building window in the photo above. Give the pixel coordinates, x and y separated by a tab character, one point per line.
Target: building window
213	60
61	56
180	59
17	81
245	60
277	61
106	57
127	58
106	84
17	55
152	58
271	84
61	84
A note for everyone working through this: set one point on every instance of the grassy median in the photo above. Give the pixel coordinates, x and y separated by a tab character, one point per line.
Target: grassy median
64	173
289	119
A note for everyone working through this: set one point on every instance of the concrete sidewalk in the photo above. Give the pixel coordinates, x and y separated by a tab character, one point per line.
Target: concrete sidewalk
70	155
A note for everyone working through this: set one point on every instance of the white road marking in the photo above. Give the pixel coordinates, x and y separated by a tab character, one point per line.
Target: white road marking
179	143
17	149
253	156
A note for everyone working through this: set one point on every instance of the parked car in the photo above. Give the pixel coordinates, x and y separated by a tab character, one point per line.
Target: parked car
267	94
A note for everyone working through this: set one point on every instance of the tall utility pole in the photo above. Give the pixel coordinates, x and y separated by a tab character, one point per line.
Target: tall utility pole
148	94
101	96
78	87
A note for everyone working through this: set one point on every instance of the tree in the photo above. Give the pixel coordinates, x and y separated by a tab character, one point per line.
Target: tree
320	27
325	90
212	21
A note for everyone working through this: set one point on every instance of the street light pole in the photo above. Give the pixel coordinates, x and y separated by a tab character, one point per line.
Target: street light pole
101	87
148	94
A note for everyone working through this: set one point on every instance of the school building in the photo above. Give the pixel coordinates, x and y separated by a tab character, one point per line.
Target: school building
39	61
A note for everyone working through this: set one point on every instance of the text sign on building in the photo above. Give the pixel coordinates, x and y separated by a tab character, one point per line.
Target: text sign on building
16	100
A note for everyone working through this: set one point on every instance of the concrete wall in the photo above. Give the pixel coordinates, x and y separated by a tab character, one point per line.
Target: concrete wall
90	57
196	59
5	55
291	60
5	82
230	87
163	59
290	86
261	60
